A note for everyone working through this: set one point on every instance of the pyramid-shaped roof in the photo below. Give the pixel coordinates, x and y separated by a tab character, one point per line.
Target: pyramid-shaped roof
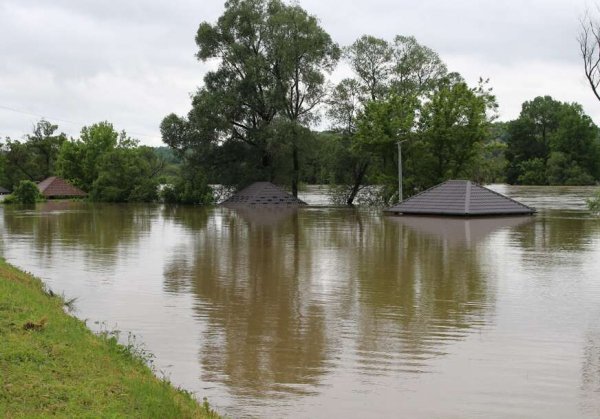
55	186
262	194
460	198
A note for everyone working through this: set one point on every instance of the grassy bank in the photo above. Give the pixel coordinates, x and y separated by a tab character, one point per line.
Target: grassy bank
51	364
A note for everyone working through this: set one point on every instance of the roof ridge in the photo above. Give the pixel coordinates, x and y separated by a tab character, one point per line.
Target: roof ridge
503	196
460	197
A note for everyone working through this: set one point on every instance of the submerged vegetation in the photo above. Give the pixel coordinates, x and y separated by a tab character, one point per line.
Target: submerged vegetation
26	193
593	203
53	365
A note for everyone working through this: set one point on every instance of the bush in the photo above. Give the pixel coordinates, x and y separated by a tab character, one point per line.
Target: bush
9	199
562	171
26	192
191	188
533	172
593	203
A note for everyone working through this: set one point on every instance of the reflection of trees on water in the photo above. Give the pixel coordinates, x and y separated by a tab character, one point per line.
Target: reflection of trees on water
103	232
262	330
557	231
420	285
281	297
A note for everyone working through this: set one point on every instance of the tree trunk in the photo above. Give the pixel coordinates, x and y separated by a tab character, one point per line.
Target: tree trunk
358	179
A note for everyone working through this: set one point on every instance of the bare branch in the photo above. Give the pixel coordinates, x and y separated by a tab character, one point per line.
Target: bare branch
589	46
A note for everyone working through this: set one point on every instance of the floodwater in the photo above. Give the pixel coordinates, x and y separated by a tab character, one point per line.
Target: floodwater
325	312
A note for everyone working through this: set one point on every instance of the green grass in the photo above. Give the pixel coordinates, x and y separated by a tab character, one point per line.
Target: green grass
51	364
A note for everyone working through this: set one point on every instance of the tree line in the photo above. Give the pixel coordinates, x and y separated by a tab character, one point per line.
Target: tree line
109	165
255	114
252	117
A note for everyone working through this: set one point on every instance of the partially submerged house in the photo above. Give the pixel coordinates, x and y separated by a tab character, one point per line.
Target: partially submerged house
460	198
3	191
56	187
262	194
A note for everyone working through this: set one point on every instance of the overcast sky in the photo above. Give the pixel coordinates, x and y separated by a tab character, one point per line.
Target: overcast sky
132	62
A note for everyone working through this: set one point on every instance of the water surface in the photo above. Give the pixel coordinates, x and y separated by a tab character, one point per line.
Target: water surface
325	312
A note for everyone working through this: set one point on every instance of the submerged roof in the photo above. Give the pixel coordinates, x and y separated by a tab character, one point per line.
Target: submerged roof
460	198
264	194
55	186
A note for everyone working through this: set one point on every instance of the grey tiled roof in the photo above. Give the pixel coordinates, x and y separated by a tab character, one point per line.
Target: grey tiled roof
3	191
262	194
460	198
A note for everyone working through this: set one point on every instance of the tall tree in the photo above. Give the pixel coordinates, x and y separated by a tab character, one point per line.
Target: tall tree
453	124
417	68
79	159
300	53
371	60
271	77
380	106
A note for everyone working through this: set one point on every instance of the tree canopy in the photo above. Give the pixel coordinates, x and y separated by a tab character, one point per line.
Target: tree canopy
250	116
554	143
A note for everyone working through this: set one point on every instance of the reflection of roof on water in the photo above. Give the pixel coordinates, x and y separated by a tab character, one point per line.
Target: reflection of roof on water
268	216
459	230
262	194
460	198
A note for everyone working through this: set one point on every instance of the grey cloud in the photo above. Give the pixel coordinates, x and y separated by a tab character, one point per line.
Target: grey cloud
132	62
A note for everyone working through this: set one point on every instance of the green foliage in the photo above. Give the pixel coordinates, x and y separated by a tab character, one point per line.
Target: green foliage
490	161
453	124
190	188
34	158
371	59
593	203
561	170
3	177
403	91
110	165
272	60
126	174
561	140
533	172
443	142
79	160
8	200
26	192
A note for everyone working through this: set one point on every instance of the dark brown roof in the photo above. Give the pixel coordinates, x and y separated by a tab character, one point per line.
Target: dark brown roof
58	187
3	191
264	194
460	198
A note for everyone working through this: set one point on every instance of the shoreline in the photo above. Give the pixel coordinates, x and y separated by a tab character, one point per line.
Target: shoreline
52	364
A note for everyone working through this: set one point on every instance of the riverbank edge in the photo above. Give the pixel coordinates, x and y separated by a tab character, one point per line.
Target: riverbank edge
51	364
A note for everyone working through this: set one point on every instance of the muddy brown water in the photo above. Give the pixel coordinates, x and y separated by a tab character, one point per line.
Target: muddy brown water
326	312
